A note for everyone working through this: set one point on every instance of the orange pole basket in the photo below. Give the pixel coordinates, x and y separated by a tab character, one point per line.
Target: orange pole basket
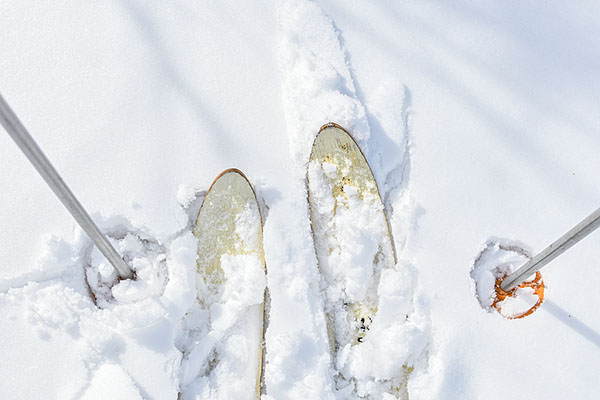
538	290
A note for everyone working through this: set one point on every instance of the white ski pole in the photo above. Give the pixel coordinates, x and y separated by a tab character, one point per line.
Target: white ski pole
23	139
562	244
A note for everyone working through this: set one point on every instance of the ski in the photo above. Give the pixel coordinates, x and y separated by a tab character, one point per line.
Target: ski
231	286
353	246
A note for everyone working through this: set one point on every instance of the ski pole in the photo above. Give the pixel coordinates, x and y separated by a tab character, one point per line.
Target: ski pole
562	244
23	139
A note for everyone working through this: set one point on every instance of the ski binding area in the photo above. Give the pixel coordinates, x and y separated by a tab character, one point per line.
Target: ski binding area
394	164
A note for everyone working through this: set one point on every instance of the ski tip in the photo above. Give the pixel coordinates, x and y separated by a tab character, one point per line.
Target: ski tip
333	130
230	171
335	133
332	125
230	175
226	172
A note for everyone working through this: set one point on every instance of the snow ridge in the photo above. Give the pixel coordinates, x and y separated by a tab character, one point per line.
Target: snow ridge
317	84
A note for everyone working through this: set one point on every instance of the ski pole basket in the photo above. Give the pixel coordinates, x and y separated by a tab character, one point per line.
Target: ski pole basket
533	289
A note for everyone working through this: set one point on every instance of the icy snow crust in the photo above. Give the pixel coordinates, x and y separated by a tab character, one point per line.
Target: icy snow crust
479	119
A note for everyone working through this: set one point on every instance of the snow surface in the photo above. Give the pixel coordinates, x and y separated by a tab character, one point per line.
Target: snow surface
480	119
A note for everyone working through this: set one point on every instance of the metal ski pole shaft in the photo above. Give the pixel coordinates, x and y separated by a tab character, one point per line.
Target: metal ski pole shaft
23	139
561	245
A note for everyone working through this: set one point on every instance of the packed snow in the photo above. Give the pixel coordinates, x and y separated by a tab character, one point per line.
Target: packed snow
479	120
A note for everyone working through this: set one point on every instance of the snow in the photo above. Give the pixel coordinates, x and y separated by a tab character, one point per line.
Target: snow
111	380
479	120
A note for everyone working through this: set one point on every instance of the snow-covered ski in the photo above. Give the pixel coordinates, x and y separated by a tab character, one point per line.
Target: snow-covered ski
353	246
231	291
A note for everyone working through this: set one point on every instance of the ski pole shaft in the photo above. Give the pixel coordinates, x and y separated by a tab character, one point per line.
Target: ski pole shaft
23	139
561	245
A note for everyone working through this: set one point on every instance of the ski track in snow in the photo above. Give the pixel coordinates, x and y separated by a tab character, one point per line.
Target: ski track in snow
317	84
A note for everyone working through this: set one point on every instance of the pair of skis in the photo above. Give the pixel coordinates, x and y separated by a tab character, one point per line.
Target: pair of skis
352	244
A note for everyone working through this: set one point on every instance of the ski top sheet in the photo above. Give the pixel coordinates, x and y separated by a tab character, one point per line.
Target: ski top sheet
231	283
353	245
